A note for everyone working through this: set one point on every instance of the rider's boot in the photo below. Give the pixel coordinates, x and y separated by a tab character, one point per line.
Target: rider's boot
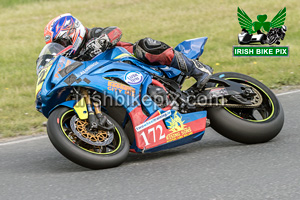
192	67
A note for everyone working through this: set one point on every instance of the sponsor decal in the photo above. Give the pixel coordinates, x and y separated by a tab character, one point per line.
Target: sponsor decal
119	87
177	129
87	69
153	121
133	78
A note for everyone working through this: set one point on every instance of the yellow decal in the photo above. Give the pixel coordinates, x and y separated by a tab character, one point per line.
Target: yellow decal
41	77
81	110
115	86
123	55
176	123
177	129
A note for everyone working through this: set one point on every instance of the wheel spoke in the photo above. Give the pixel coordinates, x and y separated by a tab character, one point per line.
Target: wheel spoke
248	114
111	146
263	112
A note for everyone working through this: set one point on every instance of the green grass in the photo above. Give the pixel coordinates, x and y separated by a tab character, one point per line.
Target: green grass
11	3
172	21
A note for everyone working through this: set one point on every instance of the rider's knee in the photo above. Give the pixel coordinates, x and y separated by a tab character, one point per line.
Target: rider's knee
153	51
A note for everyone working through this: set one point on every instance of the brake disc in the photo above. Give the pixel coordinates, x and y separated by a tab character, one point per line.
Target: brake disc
95	138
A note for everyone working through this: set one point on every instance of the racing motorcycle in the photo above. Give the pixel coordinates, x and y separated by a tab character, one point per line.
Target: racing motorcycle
100	110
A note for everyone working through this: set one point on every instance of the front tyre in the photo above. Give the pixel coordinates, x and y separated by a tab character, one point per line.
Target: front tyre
248	125
111	153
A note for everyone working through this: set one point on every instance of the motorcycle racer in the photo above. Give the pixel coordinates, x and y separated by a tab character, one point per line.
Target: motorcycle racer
87	43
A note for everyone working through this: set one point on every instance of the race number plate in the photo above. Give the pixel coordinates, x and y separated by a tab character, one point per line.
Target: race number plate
166	127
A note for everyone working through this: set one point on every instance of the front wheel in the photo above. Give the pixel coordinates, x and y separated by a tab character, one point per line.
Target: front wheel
248	125
96	150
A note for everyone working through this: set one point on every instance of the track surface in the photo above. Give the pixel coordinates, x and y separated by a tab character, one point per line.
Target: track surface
214	168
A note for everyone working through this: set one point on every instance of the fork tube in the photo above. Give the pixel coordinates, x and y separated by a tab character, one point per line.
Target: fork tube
97	108
92	117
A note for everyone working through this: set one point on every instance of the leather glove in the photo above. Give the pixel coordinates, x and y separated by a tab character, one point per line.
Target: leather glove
96	46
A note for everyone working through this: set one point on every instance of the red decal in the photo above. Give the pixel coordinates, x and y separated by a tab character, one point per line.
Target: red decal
160	133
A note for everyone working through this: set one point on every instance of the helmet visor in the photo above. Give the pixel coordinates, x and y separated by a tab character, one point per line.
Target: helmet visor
63	41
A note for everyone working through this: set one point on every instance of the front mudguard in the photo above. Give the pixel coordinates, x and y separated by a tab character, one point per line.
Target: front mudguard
79	107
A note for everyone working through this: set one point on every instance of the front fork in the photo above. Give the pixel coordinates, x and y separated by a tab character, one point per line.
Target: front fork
95	118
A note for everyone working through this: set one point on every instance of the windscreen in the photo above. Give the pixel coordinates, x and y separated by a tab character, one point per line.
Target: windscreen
47	53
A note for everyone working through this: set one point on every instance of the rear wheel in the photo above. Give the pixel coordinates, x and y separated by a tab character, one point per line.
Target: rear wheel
248	125
96	150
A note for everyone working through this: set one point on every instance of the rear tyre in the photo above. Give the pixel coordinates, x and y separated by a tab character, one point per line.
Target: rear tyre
80	152
248	125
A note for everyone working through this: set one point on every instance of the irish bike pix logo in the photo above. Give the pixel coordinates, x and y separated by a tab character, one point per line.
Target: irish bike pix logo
261	33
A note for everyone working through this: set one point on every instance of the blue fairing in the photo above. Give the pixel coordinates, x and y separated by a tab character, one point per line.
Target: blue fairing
97	73
192	48
91	74
186	140
108	74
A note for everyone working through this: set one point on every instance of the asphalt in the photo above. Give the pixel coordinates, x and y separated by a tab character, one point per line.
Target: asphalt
214	168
